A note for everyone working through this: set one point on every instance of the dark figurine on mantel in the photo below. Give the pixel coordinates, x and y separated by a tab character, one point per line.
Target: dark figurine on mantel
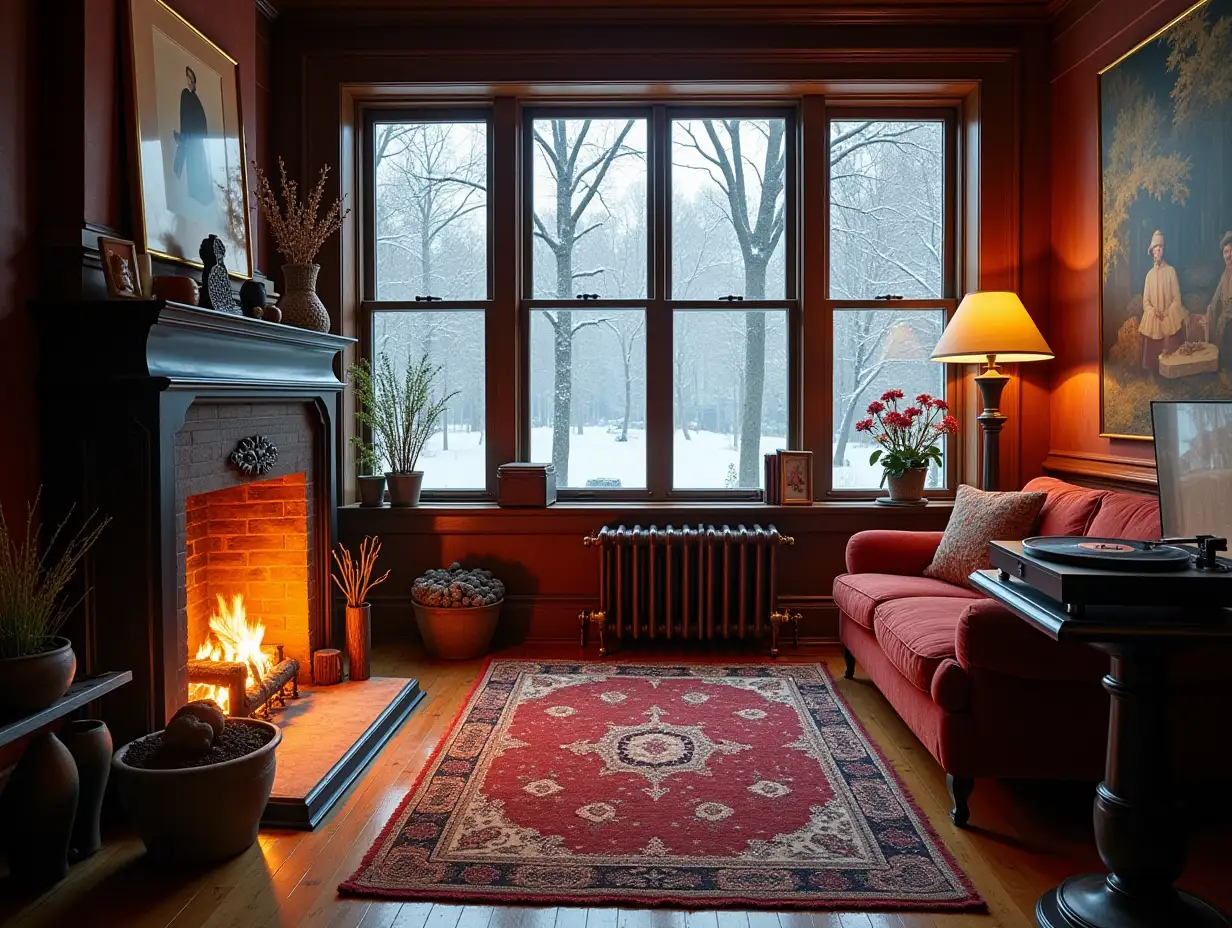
215	285
252	298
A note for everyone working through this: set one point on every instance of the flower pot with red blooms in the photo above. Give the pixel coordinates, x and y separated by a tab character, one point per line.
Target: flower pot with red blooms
909	439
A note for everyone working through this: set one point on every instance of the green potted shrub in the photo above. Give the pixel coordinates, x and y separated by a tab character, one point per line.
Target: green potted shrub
36	664
371	480
402	415
456	610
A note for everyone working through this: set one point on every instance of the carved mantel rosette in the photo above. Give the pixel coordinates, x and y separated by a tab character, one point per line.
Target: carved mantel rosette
255	455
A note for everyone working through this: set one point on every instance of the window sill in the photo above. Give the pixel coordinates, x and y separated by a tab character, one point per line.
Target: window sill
439	507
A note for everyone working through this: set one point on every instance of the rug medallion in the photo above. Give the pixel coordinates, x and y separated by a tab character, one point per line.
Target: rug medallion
693	785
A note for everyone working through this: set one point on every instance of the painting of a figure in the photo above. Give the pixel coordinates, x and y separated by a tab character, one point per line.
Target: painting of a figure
1166	173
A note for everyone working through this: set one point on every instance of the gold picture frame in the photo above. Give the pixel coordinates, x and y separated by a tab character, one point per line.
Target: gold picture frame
795	478
187	127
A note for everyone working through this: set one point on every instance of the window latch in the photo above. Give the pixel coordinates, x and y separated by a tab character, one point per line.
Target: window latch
731	298
888	296
588	296
428	299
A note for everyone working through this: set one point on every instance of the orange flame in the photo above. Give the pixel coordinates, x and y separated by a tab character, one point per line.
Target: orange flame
236	640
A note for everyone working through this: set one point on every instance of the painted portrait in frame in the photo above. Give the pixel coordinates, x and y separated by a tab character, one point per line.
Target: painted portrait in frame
1166	179
190	176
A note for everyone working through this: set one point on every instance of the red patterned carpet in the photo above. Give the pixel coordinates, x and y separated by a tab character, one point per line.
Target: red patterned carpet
696	786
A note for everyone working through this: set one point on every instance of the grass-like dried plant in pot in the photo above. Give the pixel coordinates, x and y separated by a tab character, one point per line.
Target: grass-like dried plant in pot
354	578
36	663
401	414
299	231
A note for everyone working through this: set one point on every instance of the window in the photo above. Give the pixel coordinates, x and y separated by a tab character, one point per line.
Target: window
636	303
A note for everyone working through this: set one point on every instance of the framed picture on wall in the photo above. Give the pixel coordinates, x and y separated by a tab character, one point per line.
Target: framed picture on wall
1166	221
190	179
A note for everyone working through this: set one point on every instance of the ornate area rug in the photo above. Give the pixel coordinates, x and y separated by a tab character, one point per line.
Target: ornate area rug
694	785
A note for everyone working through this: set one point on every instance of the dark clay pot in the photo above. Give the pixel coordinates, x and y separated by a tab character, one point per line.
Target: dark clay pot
199	815
32	683
404	488
372	491
40	804
89	741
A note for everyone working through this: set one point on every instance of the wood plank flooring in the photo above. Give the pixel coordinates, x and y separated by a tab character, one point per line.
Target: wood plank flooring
1024	839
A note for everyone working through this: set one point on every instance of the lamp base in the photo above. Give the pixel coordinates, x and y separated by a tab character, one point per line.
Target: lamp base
992	384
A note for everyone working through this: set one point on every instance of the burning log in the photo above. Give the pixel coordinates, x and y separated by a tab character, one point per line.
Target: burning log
232	675
271	686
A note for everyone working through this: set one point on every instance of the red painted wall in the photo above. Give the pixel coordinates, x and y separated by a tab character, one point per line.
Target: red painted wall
1085	41
18	187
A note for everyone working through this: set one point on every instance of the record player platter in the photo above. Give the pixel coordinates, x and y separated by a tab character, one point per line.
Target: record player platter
1107	553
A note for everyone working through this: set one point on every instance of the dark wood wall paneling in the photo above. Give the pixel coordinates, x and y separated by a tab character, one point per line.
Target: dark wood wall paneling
320	58
1087	35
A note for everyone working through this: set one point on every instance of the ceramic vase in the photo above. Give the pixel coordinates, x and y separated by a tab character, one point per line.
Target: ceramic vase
89	742
41	803
359	640
909	488
300	304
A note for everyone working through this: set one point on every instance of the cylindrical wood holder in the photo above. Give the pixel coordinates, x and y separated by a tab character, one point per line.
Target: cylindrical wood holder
359	640
327	666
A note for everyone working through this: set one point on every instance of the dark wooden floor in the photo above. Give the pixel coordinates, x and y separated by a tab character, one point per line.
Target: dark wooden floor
1024	838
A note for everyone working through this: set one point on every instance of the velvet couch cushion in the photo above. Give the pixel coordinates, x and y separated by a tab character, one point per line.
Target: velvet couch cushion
859	595
1126	515
990	637
1068	509
917	634
977	519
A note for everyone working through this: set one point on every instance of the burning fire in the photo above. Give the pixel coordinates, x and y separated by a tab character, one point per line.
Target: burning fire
235	639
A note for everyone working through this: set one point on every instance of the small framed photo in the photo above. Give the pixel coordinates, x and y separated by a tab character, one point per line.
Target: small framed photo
796	478
119	258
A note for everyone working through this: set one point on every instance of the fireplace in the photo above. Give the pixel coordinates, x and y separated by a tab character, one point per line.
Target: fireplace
209	439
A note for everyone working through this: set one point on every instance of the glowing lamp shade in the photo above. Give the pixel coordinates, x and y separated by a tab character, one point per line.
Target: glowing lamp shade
991	324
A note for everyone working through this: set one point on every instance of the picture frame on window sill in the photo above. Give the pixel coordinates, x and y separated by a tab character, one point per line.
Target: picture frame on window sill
187	132
796	478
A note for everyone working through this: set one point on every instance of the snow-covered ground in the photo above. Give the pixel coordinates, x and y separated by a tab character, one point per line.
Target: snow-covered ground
701	462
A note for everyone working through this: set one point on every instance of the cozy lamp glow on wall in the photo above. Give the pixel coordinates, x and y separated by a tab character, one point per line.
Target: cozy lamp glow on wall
991	326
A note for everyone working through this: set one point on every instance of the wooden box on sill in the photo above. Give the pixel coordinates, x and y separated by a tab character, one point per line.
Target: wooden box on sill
524	485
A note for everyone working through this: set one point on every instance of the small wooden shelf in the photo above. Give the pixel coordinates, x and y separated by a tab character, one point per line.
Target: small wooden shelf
78	695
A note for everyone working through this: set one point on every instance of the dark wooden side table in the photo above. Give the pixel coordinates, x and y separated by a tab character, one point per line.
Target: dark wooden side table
1138	826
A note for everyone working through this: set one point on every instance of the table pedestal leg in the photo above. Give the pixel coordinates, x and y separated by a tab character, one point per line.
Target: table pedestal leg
1137	820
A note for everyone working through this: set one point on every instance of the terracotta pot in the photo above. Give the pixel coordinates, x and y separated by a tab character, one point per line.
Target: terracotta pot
404	489
372	490
199	815
457	634
908	488
359	640
175	288
34	682
40	804
89	741
300	304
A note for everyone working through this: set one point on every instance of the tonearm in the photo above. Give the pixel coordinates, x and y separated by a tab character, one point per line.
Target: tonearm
1209	547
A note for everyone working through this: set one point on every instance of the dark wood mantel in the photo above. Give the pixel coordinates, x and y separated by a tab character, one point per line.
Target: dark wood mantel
116	381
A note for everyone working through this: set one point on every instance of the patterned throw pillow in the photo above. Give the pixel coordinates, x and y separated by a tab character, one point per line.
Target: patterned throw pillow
979	518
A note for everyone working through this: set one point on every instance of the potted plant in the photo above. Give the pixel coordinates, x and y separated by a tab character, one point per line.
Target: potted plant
354	578
371	481
910	440
456	610
299	232
196	790
36	665
402	416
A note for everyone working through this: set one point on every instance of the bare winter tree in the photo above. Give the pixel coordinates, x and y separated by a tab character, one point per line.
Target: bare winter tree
626	332
578	164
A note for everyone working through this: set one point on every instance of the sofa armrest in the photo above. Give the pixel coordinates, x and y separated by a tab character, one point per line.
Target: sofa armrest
886	551
990	637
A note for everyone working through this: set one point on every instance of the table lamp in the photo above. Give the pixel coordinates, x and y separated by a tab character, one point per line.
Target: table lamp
991	326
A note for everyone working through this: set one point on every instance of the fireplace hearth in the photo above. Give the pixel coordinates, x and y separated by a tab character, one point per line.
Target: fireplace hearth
210	441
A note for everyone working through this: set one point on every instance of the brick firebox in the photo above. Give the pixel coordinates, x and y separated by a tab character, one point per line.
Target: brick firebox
251	535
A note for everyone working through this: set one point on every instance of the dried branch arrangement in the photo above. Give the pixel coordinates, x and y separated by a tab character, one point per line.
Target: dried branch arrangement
354	577
298	229
31	581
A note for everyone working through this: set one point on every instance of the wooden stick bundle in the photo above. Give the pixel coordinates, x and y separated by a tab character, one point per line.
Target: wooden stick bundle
356	576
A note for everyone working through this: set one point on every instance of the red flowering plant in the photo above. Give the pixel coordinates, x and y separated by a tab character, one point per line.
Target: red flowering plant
909	437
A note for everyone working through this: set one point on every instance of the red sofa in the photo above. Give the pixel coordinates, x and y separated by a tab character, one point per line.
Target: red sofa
988	695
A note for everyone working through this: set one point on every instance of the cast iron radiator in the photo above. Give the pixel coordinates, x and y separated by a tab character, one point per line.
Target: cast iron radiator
696	583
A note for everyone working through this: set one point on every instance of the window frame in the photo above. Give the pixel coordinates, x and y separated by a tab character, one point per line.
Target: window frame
370	305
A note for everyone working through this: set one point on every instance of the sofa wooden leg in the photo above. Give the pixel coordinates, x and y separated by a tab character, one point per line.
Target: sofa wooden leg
960	791
850	660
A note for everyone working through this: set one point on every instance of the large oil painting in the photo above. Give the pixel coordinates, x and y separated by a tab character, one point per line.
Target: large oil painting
191	180
1166	170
